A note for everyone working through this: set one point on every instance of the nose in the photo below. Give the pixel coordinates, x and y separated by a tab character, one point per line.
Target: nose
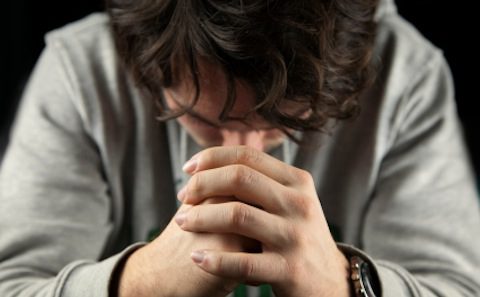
253	139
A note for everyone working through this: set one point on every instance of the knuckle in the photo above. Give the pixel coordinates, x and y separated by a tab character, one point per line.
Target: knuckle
208	155
218	264
239	215
193	219
299	203
303	177
195	184
291	234
303	206
302	240
246	155
241	175
246	268
234	175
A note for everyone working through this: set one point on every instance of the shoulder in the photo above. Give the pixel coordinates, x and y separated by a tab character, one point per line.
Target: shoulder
85	53
88	32
85	48
413	83
409	67
403	54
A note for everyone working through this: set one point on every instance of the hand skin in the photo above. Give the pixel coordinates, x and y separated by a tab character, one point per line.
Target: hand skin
163	268
277	206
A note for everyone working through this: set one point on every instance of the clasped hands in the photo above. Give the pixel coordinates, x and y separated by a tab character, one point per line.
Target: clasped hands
245	217
274	204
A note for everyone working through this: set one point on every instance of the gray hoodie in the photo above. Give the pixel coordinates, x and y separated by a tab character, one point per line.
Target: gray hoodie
89	173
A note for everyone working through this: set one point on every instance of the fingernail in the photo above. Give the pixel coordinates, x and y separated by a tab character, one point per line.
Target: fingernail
181	195
180	217
191	165
198	256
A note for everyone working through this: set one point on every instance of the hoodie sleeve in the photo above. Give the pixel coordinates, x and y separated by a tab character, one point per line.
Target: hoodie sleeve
423	224
55	208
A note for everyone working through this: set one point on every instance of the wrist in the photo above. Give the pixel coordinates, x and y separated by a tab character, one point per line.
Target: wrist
343	289
130	278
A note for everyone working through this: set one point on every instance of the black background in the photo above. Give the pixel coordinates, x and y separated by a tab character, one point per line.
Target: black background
448	26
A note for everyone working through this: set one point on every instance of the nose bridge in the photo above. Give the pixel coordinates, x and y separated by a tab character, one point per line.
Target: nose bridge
254	139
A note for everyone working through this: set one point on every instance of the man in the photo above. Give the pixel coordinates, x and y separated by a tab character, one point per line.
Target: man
272	187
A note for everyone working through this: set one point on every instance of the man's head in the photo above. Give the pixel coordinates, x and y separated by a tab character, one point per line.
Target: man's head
299	62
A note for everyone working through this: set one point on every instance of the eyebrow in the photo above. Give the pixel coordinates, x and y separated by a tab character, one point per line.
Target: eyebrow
198	117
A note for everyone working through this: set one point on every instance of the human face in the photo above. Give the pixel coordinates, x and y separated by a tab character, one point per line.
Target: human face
202	121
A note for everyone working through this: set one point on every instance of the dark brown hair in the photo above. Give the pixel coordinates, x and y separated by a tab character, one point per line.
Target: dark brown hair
315	52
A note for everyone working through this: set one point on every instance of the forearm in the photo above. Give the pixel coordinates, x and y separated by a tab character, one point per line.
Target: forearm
398	282
82	278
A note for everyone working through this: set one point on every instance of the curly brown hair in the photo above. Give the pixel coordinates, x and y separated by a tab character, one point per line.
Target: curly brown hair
314	52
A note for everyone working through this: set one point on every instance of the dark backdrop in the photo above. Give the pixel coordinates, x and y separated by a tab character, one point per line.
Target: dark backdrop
448	26
23	25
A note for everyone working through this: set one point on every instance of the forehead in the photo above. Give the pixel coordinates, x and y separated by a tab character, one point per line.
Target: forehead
213	92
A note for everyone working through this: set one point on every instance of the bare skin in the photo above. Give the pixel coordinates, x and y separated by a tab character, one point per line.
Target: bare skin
277	206
164	268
